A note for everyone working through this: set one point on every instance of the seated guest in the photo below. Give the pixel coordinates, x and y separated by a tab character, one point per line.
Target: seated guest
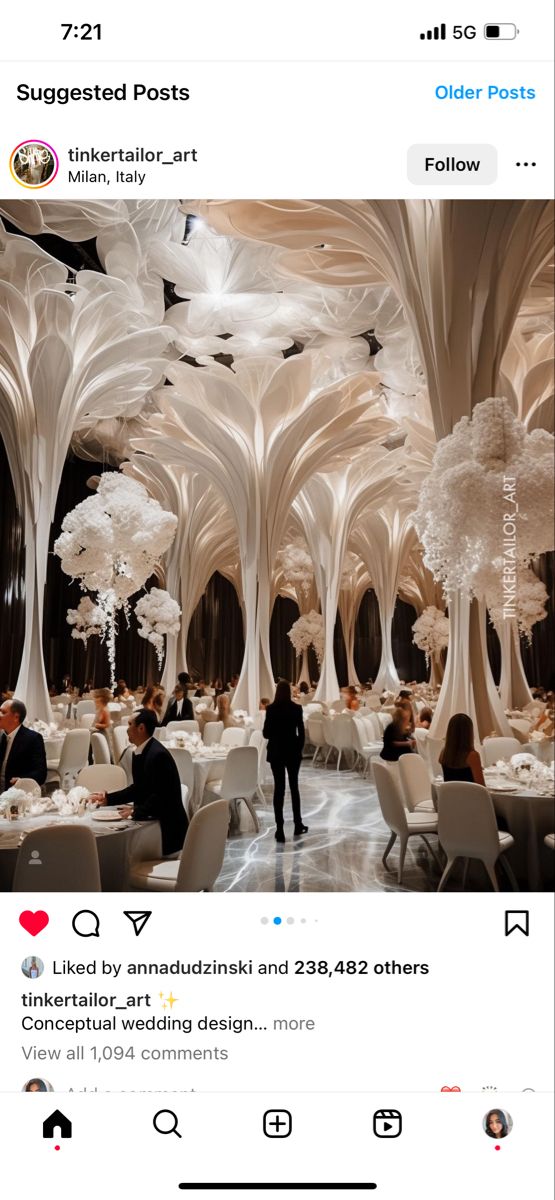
424	719
397	738
304	689
407	707
102	718
122	691
184	679
156	789
223	712
22	753
264	702
460	762
351	699
153	699
200	689
179	707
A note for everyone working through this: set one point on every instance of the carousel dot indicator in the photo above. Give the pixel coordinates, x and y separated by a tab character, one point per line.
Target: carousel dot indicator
263	920
277	920
290	920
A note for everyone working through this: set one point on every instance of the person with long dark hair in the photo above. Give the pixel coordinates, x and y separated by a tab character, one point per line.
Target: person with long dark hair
397	737
460	762
496	1124
284	730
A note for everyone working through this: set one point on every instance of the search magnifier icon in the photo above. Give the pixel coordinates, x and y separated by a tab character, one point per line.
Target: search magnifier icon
160	1121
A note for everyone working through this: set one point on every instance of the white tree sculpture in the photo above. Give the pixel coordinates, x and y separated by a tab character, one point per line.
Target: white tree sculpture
355	581
431	634
462	273
69	353
384	541
328	507
88	620
258	433
296	565
111	543
308	631
158	616
531	598
205	541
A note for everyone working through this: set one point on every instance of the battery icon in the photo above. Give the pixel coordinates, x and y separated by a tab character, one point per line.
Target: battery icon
500	33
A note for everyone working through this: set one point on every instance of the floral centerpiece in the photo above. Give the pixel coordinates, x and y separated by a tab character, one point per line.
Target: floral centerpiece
527	770
88	620
112	543
157	615
307	631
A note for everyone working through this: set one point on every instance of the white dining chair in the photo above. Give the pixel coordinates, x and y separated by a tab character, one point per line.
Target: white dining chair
86	721
496	748
468	829
239	782
200	861
342	736
100	748
315	730
84	708
402	824
384	718
416	784
102	777
74	754
30	786
212	732
181	727
233	737
184	763
434	746
365	749
60	858
257	740
121	741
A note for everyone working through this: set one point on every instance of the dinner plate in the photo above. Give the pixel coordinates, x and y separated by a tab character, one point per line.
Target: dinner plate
110	814
496	786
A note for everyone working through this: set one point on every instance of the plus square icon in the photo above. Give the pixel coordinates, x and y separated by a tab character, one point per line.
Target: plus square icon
278	1123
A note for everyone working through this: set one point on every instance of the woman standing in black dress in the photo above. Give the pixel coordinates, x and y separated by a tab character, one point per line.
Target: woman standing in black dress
284	730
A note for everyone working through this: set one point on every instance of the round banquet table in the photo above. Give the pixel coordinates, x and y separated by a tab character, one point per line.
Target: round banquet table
528	816
207	768
120	844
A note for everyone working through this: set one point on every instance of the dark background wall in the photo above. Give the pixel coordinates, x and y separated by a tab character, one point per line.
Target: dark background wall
216	640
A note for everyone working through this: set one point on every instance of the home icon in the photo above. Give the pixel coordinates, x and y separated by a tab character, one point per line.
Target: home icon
56	1121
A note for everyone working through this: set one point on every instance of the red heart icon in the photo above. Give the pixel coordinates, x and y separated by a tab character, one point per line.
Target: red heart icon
33	922
450	1089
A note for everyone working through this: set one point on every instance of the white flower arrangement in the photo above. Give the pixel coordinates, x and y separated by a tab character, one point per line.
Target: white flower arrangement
112	542
430	631
468	514
529	771
14	796
47	729
158	614
296	564
530	597
307	631
88	619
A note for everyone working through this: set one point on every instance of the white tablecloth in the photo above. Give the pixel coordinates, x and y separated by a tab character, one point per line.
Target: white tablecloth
207	769
119	846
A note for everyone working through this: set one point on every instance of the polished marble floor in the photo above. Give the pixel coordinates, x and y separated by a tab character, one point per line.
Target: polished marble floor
342	851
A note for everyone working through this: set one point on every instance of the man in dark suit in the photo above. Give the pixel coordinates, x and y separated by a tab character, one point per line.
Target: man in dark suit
179	707
156	789
22	752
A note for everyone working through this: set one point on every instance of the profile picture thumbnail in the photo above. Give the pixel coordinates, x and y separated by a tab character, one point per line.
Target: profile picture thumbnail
34	164
37	1085
497	1123
32	967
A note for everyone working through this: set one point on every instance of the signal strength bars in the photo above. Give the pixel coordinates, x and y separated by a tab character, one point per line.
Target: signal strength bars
437	34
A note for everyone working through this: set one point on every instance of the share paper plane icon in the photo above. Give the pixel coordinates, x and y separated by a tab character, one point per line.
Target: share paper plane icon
138	920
